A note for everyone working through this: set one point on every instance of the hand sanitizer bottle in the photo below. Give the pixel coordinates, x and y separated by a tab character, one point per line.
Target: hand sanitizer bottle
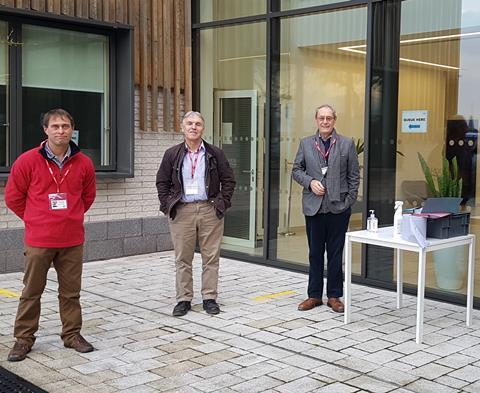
397	219
372	222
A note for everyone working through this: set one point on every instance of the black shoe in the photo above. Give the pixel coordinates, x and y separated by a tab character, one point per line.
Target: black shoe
181	309
211	306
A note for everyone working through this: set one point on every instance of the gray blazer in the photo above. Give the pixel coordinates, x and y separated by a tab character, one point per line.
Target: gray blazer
341	180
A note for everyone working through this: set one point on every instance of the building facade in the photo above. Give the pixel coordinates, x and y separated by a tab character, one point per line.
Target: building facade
403	78
401	75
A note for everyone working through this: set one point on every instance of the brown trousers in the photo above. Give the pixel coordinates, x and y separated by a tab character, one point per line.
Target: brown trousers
68	264
196	220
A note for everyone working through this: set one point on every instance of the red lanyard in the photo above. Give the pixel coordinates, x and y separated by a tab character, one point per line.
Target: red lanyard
327	153
194	162
54	178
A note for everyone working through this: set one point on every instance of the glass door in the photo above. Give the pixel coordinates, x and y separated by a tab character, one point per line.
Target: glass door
236	133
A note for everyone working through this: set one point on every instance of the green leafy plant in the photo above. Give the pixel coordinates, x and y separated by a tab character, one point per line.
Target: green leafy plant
444	183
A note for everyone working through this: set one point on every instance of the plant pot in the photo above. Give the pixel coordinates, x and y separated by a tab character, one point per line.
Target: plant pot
449	265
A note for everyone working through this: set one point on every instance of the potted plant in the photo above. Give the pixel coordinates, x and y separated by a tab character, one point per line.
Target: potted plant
449	264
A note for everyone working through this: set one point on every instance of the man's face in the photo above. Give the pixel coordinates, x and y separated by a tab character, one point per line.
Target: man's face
325	121
59	131
192	128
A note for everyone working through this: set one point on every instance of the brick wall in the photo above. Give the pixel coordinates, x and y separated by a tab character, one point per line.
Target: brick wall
118	200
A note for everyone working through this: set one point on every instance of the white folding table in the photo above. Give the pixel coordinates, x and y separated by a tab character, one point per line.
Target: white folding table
384	238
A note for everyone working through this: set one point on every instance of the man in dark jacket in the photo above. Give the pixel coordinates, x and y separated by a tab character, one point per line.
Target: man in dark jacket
195	184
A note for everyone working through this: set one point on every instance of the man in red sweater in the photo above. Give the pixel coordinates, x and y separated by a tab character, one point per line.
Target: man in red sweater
50	188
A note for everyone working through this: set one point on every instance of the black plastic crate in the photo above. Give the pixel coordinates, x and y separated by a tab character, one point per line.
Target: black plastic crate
450	226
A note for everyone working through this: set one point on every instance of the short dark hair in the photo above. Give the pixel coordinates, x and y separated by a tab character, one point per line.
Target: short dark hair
58	112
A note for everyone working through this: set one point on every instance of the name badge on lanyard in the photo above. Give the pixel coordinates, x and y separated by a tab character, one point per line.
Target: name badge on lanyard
324	170
191	184
58	201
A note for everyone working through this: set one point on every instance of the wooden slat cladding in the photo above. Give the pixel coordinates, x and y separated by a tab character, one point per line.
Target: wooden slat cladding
163	51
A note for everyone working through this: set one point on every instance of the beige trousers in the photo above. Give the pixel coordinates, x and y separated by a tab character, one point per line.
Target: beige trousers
68	264
196	220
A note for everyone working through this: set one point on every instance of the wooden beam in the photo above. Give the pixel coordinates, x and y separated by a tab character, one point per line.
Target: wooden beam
167	61
187	87
143	65
154	67
177	65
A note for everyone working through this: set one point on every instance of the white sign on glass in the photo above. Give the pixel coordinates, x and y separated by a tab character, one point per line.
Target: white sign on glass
414	121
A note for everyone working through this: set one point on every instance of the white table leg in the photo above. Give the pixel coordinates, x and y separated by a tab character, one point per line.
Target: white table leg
422	258
399	277
348	278
471	275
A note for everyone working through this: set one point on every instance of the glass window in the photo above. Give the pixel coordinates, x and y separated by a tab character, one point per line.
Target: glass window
210	10
70	70
232	99
320	63
4	78
293	4
438	117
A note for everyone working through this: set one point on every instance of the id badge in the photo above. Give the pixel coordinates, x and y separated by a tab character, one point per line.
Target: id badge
324	170
58	201
191	187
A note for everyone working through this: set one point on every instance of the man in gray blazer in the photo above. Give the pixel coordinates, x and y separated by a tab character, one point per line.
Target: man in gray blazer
326	166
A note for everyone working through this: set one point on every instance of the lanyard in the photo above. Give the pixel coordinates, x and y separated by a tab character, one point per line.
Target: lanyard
54	178
194	162
327	153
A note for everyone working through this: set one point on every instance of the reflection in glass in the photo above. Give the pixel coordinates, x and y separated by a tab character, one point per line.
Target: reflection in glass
211	10
292	4
317	67
4	129
439	60
69	70
232	99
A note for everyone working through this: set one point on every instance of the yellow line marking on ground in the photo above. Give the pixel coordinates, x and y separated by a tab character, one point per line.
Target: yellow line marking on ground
274	295
7	293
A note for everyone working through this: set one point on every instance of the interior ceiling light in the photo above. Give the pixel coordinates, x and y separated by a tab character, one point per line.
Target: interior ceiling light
355	48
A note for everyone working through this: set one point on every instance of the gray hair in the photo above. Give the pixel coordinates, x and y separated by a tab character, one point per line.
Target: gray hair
193	113
334	112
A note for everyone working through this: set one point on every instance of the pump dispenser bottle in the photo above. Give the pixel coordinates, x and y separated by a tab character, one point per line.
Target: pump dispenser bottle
397	219
372	222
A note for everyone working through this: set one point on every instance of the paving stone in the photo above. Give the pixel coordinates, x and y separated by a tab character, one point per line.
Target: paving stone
393	376
300	385
337	387
451	382
425	386
467	373
371	384
256	385
289	373
217	383
431	371
418	359
134	380
338	373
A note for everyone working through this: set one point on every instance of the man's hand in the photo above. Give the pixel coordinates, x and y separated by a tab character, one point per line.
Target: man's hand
317	187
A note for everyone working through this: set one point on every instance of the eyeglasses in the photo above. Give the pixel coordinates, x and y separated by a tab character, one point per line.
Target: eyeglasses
328	119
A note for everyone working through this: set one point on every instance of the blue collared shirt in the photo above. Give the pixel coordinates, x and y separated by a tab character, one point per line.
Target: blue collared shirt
198	177
54	158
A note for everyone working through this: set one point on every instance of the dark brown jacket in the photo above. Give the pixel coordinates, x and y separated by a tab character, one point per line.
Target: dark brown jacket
219	179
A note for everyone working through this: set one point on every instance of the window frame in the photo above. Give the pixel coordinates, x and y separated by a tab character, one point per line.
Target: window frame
120	85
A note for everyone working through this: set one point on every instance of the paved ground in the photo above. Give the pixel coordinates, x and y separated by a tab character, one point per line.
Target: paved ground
259	343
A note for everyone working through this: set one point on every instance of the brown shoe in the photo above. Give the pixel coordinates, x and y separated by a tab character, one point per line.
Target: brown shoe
18	352
335	304
79	344
309	303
